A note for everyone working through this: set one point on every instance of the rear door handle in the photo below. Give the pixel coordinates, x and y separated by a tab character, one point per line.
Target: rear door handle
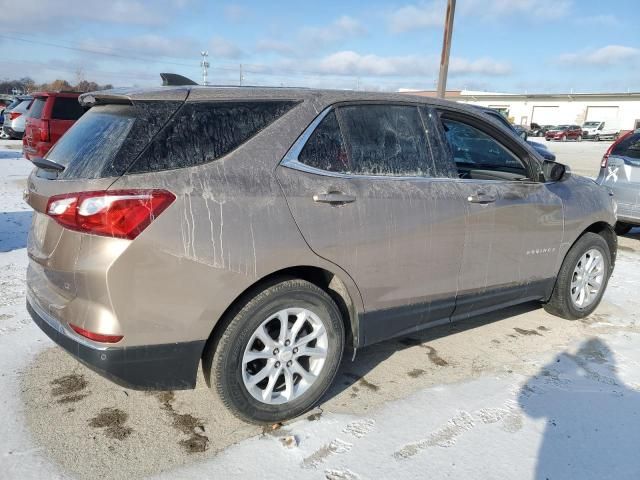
482	198
334	198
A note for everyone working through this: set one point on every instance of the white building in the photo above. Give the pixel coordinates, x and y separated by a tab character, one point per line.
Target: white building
619	110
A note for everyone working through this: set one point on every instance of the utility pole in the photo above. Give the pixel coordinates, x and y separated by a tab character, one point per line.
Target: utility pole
241	75
205	66
446	48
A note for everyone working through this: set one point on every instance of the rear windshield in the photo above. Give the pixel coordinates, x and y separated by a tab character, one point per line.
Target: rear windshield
67	109
23	106
14	103
38	106
629	147
105	140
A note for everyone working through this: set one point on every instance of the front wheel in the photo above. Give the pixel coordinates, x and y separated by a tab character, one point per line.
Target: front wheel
582	279
279	353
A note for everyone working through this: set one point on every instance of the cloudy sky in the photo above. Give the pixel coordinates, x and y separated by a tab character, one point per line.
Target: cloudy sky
498	45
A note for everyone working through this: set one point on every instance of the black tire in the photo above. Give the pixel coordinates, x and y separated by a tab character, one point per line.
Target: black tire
222	362
560	303
596	138
623	228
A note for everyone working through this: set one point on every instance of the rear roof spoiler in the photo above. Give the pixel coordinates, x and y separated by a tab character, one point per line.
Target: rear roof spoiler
175	80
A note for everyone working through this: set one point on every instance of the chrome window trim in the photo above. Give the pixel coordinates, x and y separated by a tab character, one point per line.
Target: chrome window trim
290	160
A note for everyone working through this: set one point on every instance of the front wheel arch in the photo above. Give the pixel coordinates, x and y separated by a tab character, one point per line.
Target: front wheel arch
606	231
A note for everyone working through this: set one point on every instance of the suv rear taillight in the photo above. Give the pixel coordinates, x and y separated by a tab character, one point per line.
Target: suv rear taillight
44	130
605	157
14	115
117	213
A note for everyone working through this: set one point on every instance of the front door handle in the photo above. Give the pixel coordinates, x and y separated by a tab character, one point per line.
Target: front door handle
334	198
482	198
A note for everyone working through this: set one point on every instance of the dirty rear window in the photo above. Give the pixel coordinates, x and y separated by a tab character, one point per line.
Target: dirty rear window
105	141
66	109
629	147
378	140
204	131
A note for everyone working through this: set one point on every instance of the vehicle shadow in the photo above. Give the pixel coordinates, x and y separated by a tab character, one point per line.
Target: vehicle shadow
14	228
10	154
592	418
368	358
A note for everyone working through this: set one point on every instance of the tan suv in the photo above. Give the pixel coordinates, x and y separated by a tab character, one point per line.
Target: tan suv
263	231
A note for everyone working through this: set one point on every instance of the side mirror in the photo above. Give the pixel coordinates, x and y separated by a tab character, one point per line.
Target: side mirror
553	171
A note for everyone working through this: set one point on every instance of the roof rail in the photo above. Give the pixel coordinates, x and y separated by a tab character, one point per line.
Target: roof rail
175	80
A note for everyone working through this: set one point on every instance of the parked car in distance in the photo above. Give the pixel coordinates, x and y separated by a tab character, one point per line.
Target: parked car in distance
540	131
3	105
14	117
521	131
620	171
599	131
248	229
538	147
50	116
564	133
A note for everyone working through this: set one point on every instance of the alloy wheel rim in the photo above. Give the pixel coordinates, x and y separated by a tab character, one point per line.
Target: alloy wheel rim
284	356
587	279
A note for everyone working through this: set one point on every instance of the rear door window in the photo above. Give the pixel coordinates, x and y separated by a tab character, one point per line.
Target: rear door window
205	131
376	140
37	107
386	140
325	149
65	108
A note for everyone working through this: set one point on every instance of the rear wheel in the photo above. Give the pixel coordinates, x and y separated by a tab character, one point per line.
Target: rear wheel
623	228
278	354
582	279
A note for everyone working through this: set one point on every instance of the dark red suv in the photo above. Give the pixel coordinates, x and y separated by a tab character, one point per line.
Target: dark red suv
565	132
50	116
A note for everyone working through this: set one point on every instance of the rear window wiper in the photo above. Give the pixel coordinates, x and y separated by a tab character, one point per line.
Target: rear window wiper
47	164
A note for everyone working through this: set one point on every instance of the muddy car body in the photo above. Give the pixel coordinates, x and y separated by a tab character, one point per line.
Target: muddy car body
345	218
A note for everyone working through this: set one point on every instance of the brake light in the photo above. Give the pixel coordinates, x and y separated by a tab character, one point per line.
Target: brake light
14	115
605	157
111	213
44	130
98	337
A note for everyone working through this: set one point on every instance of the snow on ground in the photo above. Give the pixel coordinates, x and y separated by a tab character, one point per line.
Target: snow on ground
514	395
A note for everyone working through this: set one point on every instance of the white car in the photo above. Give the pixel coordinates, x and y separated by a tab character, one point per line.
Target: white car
599	131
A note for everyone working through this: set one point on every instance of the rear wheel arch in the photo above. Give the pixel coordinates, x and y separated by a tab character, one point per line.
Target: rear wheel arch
328	281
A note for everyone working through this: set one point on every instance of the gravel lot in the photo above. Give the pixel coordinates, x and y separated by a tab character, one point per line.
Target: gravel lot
514	394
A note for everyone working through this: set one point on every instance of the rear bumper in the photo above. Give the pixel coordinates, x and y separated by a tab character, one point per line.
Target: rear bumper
12	133
154	367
